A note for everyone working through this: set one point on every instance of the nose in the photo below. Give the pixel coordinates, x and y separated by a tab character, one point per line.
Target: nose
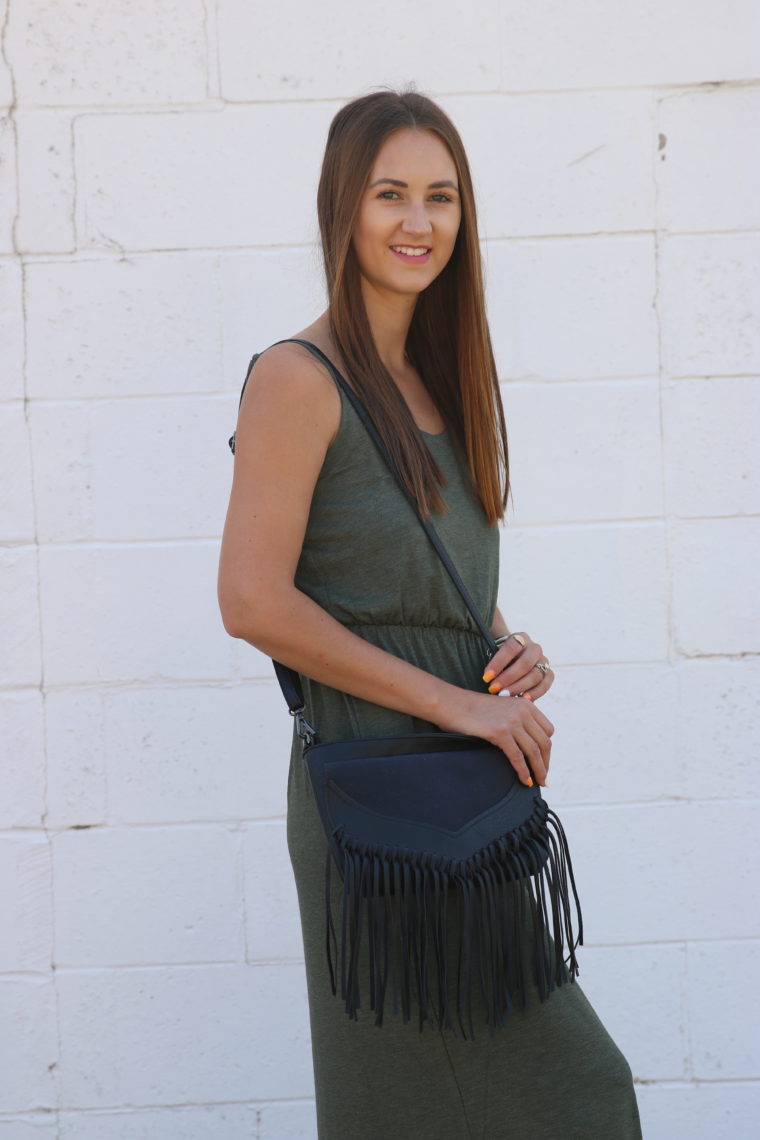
417	220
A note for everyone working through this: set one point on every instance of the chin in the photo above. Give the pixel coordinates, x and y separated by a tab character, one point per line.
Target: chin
407	284
417	284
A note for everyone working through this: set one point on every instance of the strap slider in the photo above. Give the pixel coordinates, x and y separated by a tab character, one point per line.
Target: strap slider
303	728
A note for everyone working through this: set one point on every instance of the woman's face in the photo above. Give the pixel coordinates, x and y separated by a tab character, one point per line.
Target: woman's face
410	213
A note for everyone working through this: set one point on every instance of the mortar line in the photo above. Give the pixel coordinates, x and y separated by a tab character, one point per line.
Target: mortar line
219	103
17	252
658	157
213	55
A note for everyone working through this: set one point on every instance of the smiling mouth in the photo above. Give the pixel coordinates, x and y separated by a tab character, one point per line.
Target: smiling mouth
412	250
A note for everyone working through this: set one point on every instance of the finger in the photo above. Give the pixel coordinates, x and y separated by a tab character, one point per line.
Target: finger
544	745
536	682
516	757
518	671
543	686
542	742
534	757
503	657
535	691
541	720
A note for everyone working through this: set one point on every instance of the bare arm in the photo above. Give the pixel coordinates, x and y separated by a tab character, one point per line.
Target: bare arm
289	416
498	625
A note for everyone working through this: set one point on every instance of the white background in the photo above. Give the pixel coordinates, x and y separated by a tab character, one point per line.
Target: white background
158	163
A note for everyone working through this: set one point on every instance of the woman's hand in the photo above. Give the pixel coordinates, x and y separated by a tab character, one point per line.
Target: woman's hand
515	725
513	669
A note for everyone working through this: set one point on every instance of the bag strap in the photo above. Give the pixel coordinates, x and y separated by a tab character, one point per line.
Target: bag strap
288	679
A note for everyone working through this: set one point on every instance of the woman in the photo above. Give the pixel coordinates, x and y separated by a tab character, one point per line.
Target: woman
325	568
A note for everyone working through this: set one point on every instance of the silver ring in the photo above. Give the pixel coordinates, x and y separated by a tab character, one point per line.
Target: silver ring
544	666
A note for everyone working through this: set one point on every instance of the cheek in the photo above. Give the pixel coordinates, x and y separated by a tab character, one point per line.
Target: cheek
456	223
365	237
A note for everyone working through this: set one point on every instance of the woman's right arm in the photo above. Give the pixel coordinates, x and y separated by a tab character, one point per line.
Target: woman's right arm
289	416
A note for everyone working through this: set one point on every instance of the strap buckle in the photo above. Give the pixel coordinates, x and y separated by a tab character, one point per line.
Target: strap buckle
303	729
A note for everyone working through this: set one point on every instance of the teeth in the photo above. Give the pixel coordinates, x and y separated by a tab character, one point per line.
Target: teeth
410	251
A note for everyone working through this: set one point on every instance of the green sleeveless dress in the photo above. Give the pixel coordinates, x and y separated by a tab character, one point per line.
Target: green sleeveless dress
553	1073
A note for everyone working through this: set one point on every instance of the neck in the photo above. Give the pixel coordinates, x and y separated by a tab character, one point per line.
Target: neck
389	316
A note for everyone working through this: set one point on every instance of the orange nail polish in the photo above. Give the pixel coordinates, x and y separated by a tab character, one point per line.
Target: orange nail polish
530	783
488	675
494	688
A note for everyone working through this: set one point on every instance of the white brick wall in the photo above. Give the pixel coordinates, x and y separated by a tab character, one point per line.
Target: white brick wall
158	163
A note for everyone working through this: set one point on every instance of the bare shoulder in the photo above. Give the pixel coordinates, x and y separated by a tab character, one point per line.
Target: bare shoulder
287	380
294	367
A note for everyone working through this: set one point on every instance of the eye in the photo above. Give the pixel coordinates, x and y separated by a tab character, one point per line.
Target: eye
439	196
388	195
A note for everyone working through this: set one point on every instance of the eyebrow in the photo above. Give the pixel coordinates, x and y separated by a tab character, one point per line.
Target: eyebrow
405	185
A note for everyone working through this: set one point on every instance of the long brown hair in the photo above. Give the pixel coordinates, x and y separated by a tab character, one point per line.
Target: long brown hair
448	341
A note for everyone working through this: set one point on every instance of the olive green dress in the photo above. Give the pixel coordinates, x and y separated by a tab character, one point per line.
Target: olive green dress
553	1073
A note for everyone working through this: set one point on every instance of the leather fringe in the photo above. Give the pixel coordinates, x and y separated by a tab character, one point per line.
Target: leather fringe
512	905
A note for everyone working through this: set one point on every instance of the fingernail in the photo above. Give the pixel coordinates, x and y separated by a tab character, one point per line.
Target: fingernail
505	693
488	675
495	687
530	782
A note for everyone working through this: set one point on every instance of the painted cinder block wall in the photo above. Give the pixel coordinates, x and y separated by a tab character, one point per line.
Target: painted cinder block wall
158	164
